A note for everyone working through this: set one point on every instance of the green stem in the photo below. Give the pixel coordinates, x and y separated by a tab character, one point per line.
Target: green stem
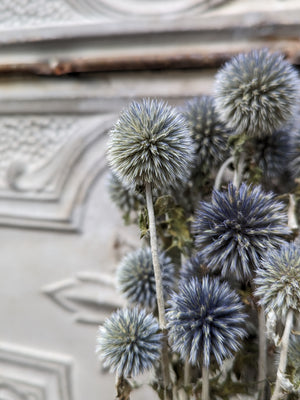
283	355
159	294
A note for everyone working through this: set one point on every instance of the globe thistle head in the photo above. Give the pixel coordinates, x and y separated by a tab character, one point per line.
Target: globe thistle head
136	281
278	280
234	230
129	342
205	319
209	133
192	268
273	153
151	143
256	93
125	197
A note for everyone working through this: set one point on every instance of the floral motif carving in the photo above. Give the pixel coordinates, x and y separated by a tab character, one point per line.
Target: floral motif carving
90	297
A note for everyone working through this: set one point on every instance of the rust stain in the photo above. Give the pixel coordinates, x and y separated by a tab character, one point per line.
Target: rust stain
148	62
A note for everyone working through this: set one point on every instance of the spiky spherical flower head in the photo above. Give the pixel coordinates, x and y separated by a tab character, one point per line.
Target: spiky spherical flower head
205	318
129	342
273	153
193	268
136	281
151	143
256	93
234	230
125	197
278	280
209	133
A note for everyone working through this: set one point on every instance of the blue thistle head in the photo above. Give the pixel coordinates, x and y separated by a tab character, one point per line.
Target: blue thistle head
192	268
278	279
136	281
205	319
235	229
129	342
151	143
209	133
256	93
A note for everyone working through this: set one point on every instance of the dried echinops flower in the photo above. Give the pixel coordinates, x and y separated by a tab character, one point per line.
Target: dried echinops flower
278	280
209	133
135	277
129	342
205	318
256	93
151	143
237	227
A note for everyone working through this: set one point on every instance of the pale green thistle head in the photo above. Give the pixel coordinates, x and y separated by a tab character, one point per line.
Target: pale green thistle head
129	342
256	93
278	280
151	143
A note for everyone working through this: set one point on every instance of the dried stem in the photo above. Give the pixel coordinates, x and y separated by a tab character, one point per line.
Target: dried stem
123	388
238	173
292	219
262	358
283	355
159	294
205	383
221	172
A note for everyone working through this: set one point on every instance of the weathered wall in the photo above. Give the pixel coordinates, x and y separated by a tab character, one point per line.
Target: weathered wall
61	238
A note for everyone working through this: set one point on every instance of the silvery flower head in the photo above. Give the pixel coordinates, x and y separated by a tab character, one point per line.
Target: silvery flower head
125	197
278	280
151	143
129	342
273	153
192	268
205	319
209	133
136	281
256	93
234	230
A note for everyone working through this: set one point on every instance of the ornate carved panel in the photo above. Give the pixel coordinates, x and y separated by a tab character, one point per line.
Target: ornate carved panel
90	297
47	166
26	374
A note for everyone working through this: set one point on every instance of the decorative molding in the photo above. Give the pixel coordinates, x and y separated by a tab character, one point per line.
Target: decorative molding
47	171
145	8
14	389
90	297
27	374
35	13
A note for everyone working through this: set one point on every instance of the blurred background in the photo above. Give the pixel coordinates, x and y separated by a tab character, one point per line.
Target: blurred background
67	68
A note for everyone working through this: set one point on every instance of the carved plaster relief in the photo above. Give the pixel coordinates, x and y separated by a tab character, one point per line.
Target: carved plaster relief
35	12
90	297
19	13
132	8
47	167
26	374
